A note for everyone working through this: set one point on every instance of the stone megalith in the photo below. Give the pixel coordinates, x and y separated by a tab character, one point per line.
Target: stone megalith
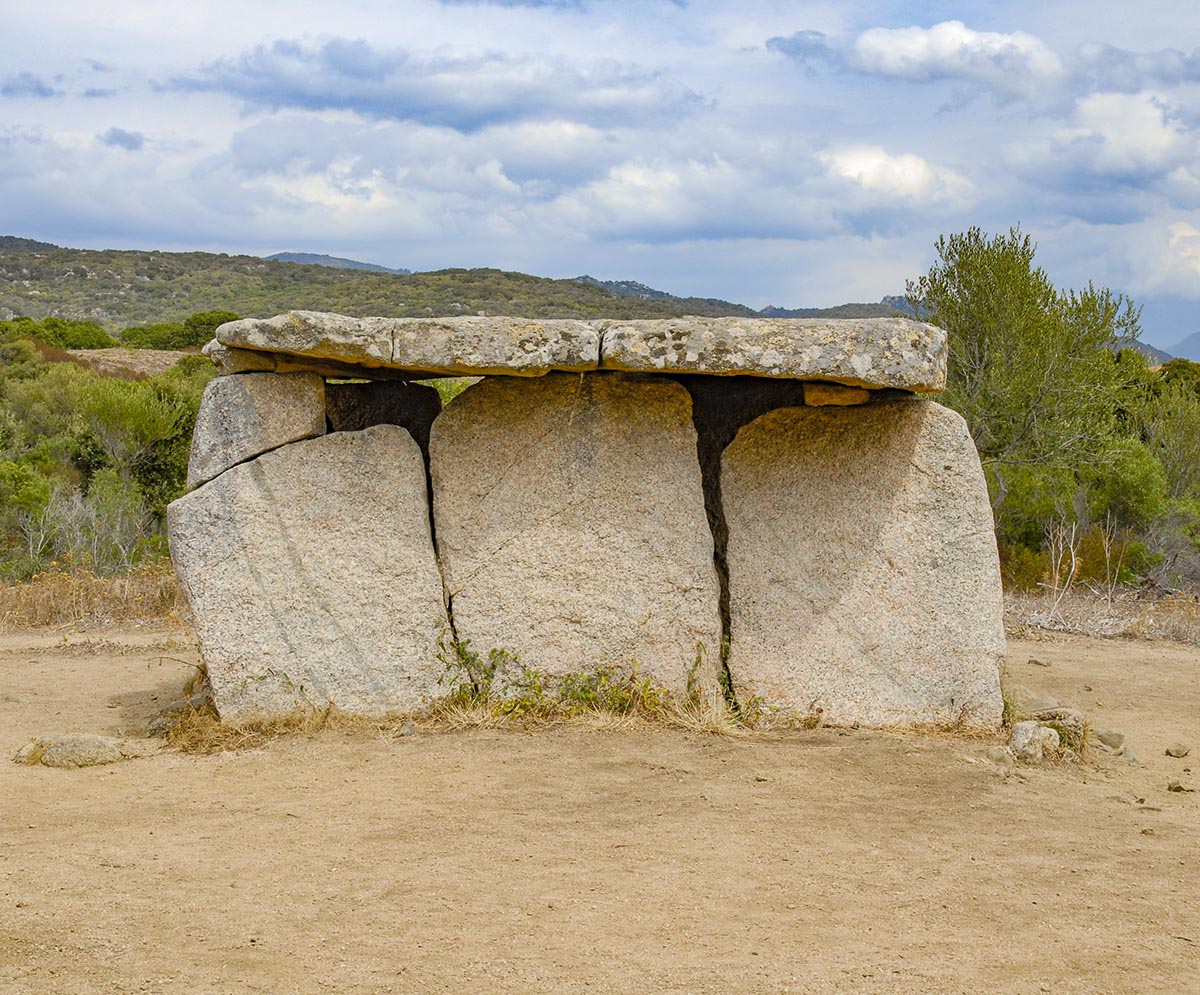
312	577
863	573
244	416
571	525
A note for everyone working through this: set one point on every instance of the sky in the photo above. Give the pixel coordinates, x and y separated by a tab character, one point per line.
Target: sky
797	154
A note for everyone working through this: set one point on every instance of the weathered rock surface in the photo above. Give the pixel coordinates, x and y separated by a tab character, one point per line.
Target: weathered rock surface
821	395
1069	722
1178	750
70	750
863	571
442	346
351	407
571	525
863	352
242	417
312	577
1030	741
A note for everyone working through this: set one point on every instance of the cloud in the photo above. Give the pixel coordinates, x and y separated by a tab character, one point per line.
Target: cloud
1124	133
131	141
1105	67
462	92
807	47
27	84
1016	63
904	176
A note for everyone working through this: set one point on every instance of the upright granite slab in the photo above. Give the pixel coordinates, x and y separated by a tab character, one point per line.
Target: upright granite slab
312	577
571	525
243	417
863	575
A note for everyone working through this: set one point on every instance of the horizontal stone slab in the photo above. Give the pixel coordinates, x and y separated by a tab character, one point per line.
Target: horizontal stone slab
858	352
466	346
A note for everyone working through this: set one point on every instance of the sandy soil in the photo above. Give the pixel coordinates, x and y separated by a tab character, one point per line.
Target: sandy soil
574	860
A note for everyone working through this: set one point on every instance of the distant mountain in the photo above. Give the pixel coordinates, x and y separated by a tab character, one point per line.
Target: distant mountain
708	306
11	243
1156	356
335	262
120	288
840	311
1189	348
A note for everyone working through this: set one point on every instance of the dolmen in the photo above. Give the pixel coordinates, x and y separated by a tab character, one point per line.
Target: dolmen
769	509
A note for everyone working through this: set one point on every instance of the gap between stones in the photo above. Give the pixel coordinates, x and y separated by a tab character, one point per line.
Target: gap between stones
720	407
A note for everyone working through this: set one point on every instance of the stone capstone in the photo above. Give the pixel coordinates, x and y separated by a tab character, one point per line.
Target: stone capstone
351	407
859	352
312	577
245	416
863	574
571	526
863	352
466	346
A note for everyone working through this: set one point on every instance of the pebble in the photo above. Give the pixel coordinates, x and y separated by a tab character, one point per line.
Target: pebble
1111	738
70	750
1038	663
1179	750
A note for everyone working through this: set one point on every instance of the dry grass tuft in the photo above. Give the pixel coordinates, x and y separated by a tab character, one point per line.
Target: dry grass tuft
86	599
1125	614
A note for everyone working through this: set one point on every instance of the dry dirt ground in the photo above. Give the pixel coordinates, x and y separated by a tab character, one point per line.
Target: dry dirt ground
575	860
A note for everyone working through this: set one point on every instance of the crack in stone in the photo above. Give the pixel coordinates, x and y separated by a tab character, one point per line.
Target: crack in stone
720	407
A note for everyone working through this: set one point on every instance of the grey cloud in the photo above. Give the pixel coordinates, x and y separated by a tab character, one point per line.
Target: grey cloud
132	141
465	93
1110	68
27	84
806	47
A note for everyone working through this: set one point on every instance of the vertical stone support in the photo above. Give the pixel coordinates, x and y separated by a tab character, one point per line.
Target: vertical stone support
863	574
571	525
312	577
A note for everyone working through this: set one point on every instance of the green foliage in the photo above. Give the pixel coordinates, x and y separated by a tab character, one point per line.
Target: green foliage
121	289
88	464
504	686
1127	485
1072	426
1031	368
189	334
59	332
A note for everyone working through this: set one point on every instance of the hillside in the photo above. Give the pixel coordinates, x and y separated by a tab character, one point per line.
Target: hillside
336	262
119	288
1188	348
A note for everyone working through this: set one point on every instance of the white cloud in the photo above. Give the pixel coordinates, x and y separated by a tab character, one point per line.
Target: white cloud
1015	63
1126	132
905	176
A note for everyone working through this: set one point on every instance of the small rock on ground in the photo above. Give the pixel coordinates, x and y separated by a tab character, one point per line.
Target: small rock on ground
1030	741
71	750
1178	750
1111	738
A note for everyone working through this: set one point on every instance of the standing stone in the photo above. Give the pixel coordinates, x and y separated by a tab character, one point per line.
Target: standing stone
246	415
863	572
351	407
571	525
312	577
